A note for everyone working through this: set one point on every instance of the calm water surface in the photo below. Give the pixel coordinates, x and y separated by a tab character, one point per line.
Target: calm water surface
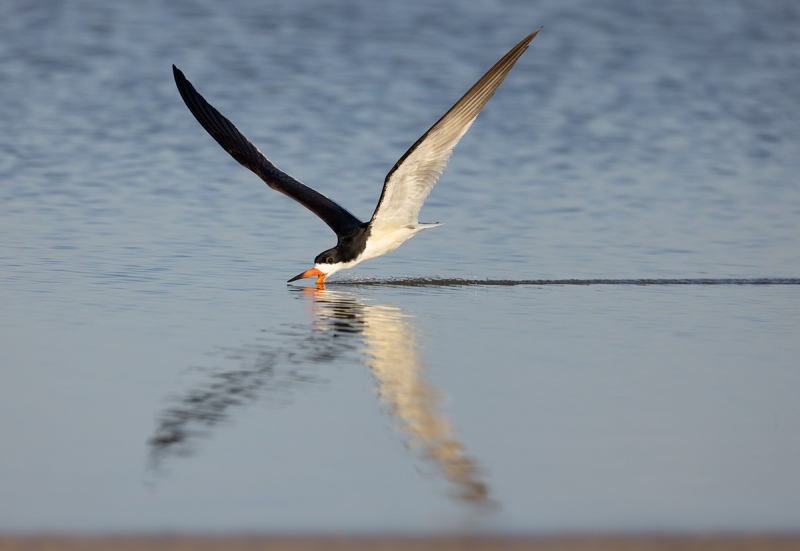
157	373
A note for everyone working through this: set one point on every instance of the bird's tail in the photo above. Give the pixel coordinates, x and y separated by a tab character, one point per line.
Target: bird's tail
425	226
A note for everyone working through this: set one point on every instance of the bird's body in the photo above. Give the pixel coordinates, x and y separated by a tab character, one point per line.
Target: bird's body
405	189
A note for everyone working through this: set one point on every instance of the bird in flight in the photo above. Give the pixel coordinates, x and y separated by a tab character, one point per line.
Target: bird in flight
405	188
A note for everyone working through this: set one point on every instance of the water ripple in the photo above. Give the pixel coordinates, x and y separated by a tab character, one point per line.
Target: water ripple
459	282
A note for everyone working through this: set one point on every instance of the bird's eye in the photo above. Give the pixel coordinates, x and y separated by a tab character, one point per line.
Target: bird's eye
329	260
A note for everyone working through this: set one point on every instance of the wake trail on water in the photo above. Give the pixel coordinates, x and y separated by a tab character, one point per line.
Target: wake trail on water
460	282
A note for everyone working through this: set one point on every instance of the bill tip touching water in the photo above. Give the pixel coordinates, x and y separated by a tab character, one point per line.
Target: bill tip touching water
407	185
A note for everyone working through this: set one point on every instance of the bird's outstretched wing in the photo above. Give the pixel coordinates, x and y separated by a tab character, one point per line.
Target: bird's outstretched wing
411	179
248	155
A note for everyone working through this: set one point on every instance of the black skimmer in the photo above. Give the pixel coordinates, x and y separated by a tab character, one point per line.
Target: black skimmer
404	190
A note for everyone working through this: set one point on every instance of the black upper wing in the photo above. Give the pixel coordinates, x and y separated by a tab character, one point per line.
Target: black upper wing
248	155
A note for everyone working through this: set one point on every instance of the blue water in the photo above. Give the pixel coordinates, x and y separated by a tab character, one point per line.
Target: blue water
601	336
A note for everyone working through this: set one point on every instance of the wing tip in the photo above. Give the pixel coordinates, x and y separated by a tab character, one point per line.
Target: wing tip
177	74
527	40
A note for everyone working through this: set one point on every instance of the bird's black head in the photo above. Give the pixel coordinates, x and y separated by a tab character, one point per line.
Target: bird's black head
331	256
349	247
346	254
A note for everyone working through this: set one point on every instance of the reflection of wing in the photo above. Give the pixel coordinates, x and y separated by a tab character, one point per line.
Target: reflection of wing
278	367
393	352
270	370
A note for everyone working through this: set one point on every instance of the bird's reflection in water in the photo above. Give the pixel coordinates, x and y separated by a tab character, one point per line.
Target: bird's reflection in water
344	329
392	352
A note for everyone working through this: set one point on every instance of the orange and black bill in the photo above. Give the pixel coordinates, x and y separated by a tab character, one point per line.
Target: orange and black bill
310	273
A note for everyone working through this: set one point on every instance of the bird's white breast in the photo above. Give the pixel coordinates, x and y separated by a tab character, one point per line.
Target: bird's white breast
382	241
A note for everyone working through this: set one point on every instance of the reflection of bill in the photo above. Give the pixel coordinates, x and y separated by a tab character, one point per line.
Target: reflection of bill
343	328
